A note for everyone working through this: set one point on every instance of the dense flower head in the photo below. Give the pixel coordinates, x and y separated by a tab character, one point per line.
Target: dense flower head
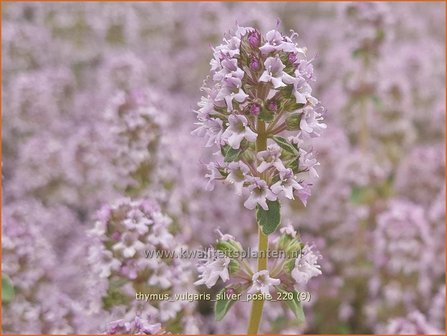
402	238
41	96
128	242
125	230
418	174
260	88
295	264
29	258
24	245
370	21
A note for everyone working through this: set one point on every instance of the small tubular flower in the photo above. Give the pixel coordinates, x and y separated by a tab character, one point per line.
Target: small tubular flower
261	282
237	131
306	267
259	194
287	184
213	269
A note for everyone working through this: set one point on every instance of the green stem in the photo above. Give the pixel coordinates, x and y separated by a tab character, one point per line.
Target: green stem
364	132
257	306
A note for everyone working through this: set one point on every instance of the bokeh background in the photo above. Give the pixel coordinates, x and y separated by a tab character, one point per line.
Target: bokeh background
97	106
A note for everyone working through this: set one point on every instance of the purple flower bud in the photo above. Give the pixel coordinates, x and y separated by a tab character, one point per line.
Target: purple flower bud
255	109
116	235
272	105
230	291
254	39
292	57
254	63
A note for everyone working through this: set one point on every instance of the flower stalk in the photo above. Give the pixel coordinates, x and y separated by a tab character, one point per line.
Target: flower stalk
260	113
258	305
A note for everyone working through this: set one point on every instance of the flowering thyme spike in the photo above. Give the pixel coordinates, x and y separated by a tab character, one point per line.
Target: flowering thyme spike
260	113
127	240
257	79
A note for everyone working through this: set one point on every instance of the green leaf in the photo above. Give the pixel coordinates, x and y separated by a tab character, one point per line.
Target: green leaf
223	304
284	144
362	195
232	154
294	165
377	101
357	53
115	297
266	115
289	265
294	305
7	289
233	266
269	219
293	121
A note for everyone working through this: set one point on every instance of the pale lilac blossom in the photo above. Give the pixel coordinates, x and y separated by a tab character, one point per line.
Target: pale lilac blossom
262	282
237	131
306	267
259	194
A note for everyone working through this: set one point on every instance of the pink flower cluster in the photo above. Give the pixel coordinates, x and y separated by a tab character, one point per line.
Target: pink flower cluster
261	79
124	236
295	264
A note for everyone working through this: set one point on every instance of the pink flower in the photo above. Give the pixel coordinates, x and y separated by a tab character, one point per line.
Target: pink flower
237	131
301	89
212	129
270	158
213	269
306	266
238	174
259	194
289	230
277	42
129	245
212	174
311	122
261	282
287	184
274	73
137	221
304	193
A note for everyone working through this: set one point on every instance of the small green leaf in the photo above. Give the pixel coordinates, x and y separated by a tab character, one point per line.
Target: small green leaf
284	144
7	289
224	149
293	106
223	172
357	53
232	154
233	266
269	219
294	165
362	195
223	304
293	121
294	305
266	115
377	101
289	265
356	195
